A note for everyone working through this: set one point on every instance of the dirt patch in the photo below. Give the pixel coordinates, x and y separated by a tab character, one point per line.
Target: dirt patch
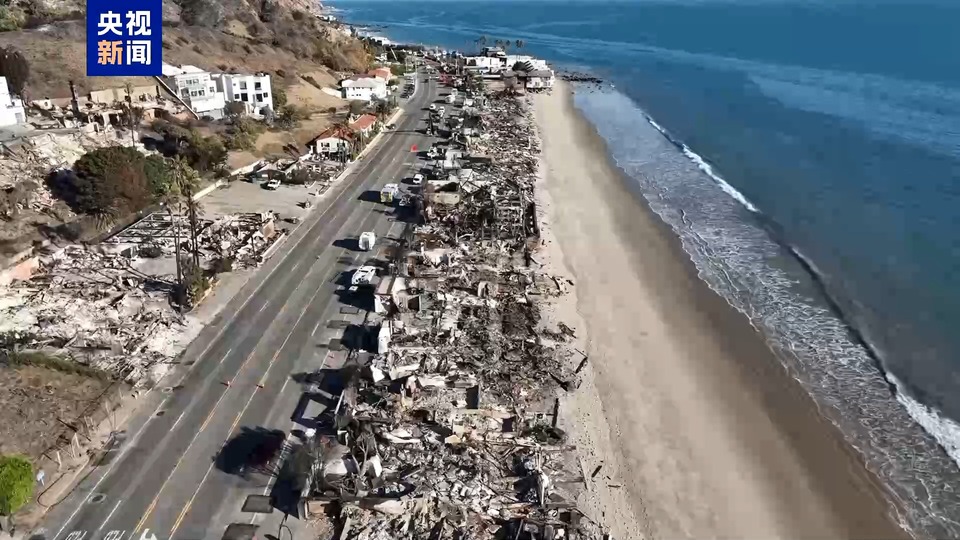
276	142
37	404
307	93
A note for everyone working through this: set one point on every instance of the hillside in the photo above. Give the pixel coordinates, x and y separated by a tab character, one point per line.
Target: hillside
281	37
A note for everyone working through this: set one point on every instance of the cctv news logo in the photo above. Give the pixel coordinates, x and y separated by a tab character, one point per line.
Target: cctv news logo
124	38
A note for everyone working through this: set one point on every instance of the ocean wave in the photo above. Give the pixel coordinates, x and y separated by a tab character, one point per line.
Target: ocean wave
742	255
705	167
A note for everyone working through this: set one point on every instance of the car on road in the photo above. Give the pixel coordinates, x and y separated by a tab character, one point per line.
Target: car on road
417	179
363	275
367	240
388	193
272	184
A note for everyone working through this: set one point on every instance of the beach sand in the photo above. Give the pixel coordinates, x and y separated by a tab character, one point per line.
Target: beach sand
697	429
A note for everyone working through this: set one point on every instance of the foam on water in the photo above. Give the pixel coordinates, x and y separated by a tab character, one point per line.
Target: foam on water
782	295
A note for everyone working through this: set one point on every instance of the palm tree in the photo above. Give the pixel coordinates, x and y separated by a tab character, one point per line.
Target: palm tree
519	43
133	116
184	185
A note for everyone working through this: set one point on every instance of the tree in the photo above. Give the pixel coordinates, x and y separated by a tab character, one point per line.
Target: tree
107	182
11	18
132	117
159	175
14	66
519	43
205	154
185	182
279	98
235	109
383	109
291	116
16	483
357	107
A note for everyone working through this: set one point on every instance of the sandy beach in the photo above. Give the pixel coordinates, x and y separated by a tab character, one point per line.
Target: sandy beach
696	428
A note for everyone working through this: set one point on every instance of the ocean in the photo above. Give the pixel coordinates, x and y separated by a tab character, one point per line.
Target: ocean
807	154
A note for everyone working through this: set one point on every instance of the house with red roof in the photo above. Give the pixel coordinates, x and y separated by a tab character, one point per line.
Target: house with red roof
332	142
364	125
382	73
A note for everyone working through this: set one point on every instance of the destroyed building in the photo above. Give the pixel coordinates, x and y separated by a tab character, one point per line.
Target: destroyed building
447	427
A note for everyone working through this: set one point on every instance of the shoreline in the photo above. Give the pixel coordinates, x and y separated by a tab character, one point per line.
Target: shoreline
697	420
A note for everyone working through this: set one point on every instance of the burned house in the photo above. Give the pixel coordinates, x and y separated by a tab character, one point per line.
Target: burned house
450	426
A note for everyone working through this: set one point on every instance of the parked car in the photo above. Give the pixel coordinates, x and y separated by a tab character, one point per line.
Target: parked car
272	184
367	240
417	179
363	275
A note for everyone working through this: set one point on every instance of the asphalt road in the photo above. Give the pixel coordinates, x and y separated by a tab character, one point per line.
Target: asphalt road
163	477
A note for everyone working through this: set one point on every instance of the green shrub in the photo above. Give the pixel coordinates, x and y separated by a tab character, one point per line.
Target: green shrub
11	19
279	98
16	483
107	181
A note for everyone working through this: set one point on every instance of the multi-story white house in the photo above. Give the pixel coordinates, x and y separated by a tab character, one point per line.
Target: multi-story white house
11	107
252	90
363	88
196	88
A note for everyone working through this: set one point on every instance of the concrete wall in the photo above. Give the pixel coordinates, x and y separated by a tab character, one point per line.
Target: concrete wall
137	94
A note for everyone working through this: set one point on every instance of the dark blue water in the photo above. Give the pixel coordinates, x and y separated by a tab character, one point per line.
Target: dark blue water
828	213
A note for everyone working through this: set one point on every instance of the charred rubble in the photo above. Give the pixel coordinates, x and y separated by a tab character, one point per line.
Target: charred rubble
447	425
109	306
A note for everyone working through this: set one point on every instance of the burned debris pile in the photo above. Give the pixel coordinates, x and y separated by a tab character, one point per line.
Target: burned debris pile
110	306
446	426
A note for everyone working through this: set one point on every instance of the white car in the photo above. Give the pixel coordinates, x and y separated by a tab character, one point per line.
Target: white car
433	107
417	179
367	240
363	275
272	184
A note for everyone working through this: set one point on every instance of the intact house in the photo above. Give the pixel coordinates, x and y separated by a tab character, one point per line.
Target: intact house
332	143
254	91
362	88
196	88
538	79
364	125
11	107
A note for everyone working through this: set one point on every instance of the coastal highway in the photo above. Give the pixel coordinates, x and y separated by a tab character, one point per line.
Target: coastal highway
162	477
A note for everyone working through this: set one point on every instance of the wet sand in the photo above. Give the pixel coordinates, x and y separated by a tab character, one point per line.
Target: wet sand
699	431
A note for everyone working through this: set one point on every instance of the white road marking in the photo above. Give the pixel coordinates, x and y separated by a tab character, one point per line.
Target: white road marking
130	443
110	515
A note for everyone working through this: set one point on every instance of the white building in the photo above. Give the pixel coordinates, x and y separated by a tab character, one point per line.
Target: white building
196	88
11	107
363	88
499	62
252	90
333	141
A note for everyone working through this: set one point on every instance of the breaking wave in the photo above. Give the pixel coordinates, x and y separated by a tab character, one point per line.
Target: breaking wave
744	257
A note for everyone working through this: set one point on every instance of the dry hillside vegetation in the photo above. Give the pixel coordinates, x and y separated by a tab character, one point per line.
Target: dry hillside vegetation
278	37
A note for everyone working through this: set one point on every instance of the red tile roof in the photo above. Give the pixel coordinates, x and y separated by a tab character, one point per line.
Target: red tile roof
381	72
335	131
363	122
